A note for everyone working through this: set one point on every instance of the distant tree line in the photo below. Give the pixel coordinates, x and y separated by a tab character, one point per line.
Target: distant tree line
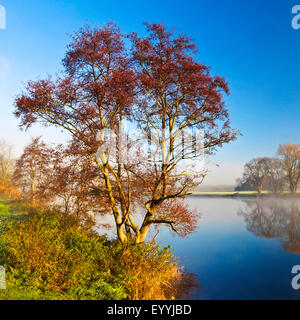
277	174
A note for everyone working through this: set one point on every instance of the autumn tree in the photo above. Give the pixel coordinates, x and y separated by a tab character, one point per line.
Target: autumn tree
7	166
7	163
290	154
32	170
256	173
275	174
74	185
274	177
160	87
178	94
96	88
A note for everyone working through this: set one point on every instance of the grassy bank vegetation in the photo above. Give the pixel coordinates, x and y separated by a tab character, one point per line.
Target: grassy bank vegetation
13	208
48	255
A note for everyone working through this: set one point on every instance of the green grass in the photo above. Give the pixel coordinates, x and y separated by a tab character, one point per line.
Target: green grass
4	209
12	208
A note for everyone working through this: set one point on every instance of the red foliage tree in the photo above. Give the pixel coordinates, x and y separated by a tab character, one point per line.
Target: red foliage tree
75	185
32	170
176	94
161	88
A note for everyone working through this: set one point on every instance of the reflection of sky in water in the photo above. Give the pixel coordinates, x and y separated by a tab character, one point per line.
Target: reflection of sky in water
242	249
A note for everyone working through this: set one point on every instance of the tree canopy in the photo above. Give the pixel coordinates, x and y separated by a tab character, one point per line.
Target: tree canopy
157	84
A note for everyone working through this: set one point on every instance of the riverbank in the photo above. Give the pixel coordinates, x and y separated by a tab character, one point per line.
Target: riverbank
48	255
243	194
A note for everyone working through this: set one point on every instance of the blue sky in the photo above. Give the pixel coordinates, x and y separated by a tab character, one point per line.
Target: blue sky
251	43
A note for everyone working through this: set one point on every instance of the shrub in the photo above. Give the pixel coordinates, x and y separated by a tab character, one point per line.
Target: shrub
149	271
52	256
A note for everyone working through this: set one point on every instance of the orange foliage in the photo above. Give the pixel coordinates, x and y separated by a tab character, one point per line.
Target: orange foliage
9	192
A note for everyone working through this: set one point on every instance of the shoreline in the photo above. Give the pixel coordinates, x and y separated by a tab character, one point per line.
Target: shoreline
243	194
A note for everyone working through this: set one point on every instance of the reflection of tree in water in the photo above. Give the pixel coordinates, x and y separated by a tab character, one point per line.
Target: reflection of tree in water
187	287
274	218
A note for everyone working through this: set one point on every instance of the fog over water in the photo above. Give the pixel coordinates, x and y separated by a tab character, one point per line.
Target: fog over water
243	248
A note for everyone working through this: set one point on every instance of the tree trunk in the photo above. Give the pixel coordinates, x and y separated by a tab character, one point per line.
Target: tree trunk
121	234
118	220
293	188
141	237
259	190
33	192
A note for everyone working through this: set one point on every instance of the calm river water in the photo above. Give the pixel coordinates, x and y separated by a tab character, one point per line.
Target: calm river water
243	248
